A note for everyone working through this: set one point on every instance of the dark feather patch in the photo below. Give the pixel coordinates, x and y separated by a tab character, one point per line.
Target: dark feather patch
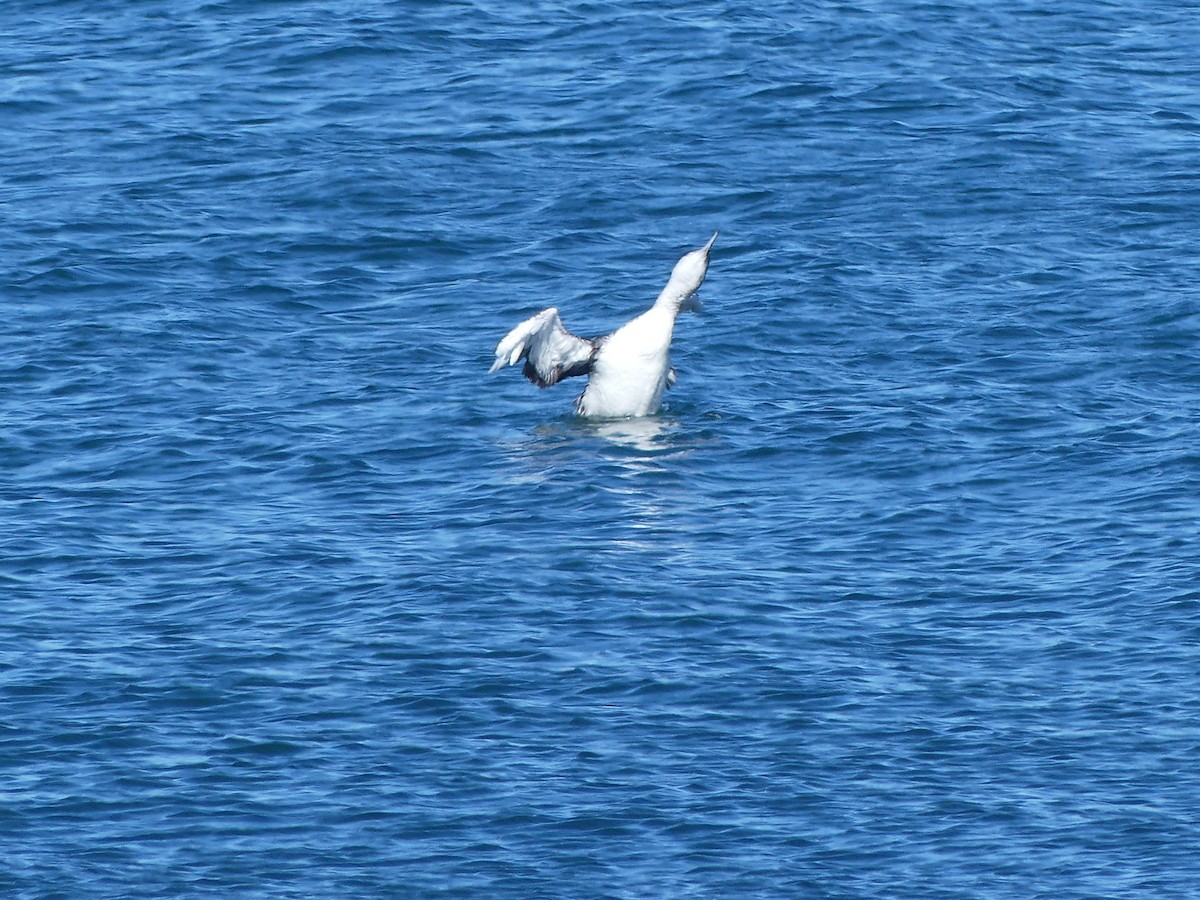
531	372
556	374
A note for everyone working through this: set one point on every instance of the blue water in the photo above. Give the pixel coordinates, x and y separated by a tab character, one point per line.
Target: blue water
899	597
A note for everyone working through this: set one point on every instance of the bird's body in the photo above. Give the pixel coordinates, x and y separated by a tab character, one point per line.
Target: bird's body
631	368
628	370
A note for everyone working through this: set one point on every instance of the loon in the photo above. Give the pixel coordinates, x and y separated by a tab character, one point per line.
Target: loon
627	370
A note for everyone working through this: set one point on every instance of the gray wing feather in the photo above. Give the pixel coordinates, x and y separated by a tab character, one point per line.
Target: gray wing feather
551	353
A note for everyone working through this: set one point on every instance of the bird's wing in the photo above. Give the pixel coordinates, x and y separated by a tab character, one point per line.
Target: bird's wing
551	353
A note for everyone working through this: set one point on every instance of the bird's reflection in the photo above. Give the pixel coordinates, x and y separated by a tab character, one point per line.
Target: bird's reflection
647	434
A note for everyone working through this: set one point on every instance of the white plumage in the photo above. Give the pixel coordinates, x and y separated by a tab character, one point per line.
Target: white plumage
627	370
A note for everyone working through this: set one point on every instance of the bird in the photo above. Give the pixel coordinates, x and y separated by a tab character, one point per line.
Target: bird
629	369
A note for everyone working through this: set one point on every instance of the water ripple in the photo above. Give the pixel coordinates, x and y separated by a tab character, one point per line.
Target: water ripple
896	597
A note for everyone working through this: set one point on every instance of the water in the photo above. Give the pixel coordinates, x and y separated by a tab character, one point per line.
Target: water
897	598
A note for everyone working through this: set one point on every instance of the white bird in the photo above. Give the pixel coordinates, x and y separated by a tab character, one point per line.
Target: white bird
627	370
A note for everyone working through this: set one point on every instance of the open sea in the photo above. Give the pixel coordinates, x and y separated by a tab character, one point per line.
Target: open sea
898	597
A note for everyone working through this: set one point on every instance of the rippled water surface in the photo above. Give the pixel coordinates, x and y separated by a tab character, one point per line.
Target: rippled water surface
899	596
